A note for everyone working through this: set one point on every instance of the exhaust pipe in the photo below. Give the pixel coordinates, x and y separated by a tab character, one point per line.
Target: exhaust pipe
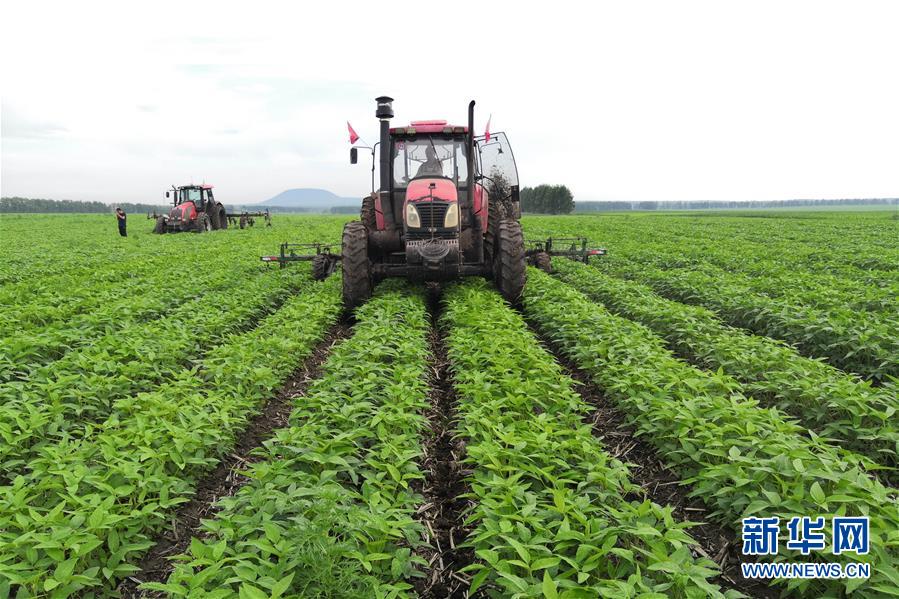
384	112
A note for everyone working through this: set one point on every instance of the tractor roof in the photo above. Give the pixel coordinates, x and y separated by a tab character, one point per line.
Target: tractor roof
192	186
434	126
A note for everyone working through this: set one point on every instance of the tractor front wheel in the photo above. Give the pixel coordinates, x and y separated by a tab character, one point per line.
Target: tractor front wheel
160	226
356	265
509	272
203	224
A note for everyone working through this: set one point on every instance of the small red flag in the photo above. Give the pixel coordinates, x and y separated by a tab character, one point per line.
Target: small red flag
487	129
353	136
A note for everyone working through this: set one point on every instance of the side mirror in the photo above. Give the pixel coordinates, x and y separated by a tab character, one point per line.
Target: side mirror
166	194
354	155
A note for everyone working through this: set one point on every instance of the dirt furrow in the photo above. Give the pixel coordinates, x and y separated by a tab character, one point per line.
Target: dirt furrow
444	507
227	478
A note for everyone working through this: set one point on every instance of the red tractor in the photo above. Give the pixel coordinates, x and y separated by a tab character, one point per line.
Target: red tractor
195	209
447	207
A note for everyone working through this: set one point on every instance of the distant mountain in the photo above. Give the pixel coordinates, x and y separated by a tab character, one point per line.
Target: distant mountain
309	197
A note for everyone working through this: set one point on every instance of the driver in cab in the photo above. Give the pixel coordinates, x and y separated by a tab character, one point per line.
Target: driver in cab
431	165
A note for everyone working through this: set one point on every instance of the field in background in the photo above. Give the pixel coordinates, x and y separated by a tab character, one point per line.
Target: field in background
714	365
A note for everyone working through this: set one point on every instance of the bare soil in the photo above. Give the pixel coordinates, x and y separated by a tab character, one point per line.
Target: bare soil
228	477
444	507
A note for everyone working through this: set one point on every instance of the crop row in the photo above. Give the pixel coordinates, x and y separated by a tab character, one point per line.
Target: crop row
740	458
85	511
27	349
60	399
846	341
329	511
553	515
836	406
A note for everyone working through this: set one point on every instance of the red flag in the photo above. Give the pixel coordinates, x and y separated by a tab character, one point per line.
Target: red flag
353	136
487	129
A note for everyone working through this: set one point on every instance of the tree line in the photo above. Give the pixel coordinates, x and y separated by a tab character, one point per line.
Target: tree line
618	206
547	199
32	205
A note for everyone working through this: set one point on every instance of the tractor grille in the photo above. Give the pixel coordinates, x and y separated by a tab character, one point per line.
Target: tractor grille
432	214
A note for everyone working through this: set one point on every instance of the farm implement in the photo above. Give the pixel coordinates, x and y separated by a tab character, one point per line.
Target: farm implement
195	209
447	207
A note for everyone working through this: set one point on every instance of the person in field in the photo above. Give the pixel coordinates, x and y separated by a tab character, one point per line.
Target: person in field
121	216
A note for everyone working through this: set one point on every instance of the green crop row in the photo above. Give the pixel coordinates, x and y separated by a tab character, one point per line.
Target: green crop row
740	458
846	342
823	398
329	511
553	516
26	350
85	512
60	399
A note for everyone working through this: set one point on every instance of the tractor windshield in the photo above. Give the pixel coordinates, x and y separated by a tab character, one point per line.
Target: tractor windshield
190	195
429	156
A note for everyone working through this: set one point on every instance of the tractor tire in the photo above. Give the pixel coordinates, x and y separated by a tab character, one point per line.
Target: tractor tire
510	265
543	261
243	222
494	216
357	283
159	229
203	225
321	267
212	210
223	217
367	213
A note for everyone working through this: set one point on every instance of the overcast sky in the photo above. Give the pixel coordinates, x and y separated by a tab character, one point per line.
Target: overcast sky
626	100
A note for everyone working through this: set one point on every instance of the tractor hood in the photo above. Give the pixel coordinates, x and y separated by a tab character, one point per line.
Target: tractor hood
185	211
419	190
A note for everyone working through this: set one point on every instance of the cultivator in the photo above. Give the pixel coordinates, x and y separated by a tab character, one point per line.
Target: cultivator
447	207
540	253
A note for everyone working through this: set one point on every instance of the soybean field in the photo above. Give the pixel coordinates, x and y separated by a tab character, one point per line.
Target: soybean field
179	419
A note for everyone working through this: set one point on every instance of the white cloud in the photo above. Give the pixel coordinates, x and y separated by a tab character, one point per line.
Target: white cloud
639	100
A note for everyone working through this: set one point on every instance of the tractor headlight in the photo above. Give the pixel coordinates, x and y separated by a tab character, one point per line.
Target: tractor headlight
451	220
412	219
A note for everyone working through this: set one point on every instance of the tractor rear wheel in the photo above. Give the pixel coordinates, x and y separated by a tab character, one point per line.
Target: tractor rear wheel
509	267
321	267
243	222
212	210
356	265
367	213
494	216
223	217
203	224
160	226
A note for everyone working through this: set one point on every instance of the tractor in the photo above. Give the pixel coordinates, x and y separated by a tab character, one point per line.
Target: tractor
447	207
195	209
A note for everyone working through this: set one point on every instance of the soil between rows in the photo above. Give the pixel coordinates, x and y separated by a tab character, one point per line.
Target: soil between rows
444	486
660	484
227	478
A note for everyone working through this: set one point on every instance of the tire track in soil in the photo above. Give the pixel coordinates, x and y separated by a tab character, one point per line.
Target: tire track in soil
660	484
226	479
443	511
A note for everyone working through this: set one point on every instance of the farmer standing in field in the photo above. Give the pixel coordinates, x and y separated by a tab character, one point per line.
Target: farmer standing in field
120	214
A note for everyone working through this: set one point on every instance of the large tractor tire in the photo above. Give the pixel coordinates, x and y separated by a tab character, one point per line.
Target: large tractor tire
212	211
509	270
494	216
321	267
159	229
357	282
223	217
203	225
243	222
367	213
